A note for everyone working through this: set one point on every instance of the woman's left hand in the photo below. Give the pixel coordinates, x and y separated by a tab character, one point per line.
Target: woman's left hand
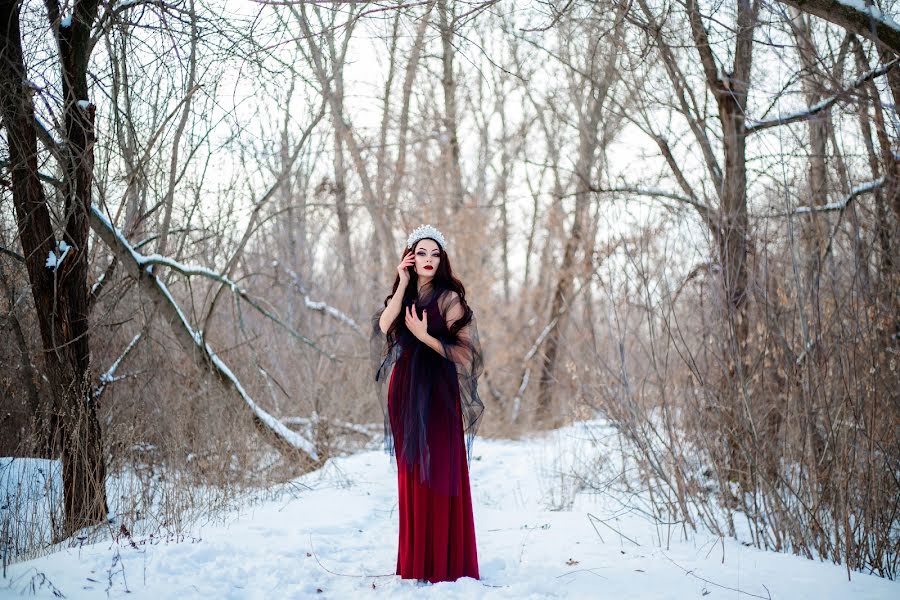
418	327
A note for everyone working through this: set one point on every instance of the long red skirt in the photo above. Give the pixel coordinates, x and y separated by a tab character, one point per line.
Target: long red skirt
437	531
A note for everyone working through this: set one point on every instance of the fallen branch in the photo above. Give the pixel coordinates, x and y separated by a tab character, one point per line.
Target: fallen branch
287	441
593	518
371	430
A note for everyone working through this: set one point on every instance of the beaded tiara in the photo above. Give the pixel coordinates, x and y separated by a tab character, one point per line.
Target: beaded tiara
426	231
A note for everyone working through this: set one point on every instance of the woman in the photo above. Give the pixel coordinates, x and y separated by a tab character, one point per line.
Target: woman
427	348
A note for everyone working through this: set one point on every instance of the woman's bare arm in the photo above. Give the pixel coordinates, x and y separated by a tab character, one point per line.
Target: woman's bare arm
393	308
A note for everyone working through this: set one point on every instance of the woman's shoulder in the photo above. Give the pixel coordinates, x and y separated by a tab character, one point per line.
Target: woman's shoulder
446	297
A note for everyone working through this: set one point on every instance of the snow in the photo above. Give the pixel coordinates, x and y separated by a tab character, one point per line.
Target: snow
115	231
159	259
30	497
126	4
98	283
55	258
332	533
110	375
324	307
334	312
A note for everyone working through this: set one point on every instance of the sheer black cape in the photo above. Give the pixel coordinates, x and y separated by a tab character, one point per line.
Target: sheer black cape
426	386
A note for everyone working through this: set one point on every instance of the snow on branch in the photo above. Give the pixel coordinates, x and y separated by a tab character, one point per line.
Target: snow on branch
856	16
810	112
110	375
332	312
286	440
842	203
329	310
146	261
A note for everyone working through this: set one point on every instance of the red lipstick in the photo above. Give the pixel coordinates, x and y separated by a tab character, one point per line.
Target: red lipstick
429	267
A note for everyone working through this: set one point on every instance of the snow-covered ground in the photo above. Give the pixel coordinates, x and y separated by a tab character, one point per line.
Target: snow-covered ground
333	534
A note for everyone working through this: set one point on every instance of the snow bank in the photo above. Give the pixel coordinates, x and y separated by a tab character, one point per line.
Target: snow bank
30	504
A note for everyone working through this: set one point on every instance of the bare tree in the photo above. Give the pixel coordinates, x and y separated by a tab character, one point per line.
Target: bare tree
58	268
590	96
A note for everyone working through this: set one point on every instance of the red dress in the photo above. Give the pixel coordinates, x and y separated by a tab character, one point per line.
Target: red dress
437	530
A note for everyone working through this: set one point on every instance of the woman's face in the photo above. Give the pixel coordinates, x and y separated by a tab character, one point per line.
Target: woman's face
428	256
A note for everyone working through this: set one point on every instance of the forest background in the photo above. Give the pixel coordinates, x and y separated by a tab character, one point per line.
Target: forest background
682	216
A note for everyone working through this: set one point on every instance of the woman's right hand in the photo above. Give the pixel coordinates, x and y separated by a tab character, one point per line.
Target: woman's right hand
402	269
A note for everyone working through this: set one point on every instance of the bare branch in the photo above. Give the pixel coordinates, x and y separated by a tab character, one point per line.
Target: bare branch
824	105
42	176
13	254
708	215
156	259
843	202
687	100
251	228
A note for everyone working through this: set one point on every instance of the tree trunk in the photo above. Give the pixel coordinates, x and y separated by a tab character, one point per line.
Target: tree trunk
451	144
60	293
730	91
340	169
816	227
29	375
340	204
545	410
589	118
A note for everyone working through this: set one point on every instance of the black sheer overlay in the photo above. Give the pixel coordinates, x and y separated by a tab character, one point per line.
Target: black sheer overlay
430	399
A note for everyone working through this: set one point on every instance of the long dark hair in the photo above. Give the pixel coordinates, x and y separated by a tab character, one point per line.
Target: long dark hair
443	280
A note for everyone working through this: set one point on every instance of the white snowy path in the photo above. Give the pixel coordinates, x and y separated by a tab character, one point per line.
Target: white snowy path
336	537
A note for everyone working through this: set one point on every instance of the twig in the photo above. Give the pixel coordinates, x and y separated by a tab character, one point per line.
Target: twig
590	516
316	556
591	571
718	585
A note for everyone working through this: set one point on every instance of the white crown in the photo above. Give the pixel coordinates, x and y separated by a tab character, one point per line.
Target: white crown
426	231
